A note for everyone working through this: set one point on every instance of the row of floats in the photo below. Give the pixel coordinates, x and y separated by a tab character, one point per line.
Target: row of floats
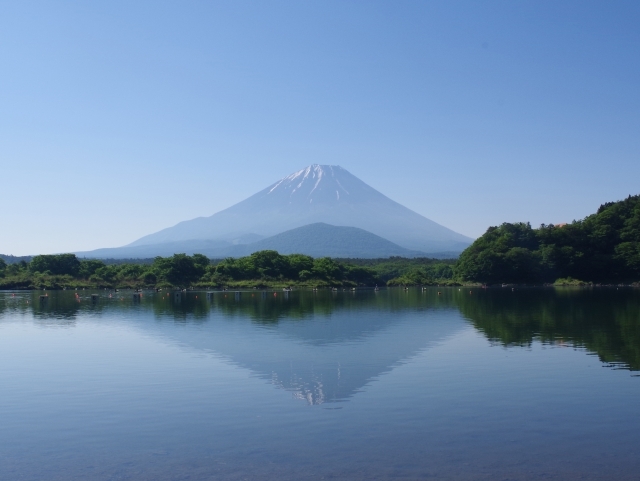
178	295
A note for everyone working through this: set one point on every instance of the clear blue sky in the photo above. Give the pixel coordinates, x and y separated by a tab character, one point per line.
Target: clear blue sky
118	119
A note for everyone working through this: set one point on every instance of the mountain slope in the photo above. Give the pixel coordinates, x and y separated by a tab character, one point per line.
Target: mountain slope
318	193
211	248
319	240
316	240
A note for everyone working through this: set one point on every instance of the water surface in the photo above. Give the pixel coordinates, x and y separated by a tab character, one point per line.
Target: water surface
447	383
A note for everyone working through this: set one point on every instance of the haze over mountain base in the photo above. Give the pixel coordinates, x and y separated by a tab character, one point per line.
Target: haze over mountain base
318	194
316	240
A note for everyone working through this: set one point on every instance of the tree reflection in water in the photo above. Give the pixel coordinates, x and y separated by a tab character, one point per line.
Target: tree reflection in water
605	321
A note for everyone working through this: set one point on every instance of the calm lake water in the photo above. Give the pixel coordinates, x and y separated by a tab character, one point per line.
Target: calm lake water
466	384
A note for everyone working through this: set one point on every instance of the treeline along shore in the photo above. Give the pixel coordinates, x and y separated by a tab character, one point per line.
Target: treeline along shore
603	248
260	269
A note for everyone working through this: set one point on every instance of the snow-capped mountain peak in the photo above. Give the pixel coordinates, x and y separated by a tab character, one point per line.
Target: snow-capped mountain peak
320	183
318	193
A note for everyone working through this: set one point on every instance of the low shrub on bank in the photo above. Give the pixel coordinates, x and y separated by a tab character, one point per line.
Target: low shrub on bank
568	281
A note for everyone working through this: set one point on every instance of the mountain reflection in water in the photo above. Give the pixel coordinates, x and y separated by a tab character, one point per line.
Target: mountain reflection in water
326	346
446	383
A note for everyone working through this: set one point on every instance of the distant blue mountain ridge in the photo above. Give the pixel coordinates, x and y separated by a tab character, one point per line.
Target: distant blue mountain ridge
316	240
322	210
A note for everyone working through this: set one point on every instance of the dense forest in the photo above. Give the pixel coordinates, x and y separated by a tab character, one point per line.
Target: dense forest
602	248
260	269
402	271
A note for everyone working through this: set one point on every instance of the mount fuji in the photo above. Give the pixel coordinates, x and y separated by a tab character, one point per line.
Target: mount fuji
325	194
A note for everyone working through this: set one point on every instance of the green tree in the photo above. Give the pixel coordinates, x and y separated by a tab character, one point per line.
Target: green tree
299	263
268	264
105	274
180	269
130	272
603	247
327	268
59	264
89	267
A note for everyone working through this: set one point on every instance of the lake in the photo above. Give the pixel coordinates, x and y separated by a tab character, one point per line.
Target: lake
446	383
